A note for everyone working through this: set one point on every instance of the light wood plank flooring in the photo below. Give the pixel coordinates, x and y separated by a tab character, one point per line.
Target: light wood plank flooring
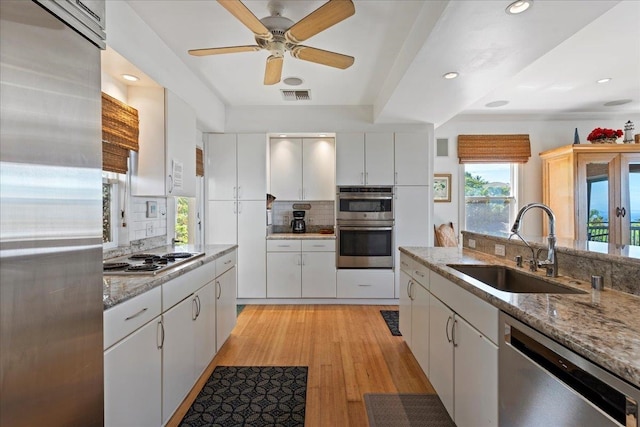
348	349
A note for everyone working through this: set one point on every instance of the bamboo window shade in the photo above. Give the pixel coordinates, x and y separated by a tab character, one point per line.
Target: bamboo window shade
119	133
494	148
199	162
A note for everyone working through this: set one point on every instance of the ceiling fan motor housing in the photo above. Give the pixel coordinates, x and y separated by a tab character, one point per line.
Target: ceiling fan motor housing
277	25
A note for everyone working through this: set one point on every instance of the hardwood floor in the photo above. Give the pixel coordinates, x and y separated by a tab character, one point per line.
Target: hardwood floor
348	349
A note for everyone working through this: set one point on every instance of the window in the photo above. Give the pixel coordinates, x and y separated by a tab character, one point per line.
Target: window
490	196
109	210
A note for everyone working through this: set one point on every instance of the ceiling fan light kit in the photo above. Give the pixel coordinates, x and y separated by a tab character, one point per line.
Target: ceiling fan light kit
278	34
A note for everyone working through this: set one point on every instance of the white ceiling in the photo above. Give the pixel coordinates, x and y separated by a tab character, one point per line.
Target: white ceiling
544	62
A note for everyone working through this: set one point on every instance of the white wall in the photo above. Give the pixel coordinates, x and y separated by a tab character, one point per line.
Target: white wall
544	135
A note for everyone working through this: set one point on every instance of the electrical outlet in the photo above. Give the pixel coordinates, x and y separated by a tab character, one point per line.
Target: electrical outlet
285	220
150	229
500	250
472	243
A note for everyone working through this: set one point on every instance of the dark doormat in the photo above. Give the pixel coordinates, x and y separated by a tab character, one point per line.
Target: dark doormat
251	396
239	309
391	317
406	410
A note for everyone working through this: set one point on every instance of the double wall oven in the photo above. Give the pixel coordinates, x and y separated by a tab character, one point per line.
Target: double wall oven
364	233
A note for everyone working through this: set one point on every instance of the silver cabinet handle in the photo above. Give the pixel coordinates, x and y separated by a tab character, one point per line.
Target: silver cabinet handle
235	192
365	285
395	181
366	177
227	262
284	246
318	246
239	191
299	260
446	328
170	179
419	274
199	306
136	315
194	309
160	328
235	207
453	333
409	289
219	289
362	178
239	207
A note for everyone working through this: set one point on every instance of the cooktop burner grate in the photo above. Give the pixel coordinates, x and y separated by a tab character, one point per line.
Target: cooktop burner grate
143	267
179	255
144	256
107	266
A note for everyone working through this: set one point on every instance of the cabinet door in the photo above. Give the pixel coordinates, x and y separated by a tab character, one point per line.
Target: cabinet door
284	275
132	379
318	274
221	166
420	326
205	327
441	351
318	169
379	159
596	196
404	321
350	159
252	166
221	222
225	306
286	168
411	156
629	191
178	358
252	267
476	377
180	122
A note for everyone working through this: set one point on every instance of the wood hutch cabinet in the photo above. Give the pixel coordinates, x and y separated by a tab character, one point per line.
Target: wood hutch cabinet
594	191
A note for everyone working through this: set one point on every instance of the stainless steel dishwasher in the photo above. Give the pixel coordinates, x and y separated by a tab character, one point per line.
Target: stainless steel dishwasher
542	383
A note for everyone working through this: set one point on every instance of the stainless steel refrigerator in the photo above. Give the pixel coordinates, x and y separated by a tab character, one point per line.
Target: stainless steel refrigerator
51	356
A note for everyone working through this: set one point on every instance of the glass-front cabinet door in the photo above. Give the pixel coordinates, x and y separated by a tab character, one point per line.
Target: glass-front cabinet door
630	199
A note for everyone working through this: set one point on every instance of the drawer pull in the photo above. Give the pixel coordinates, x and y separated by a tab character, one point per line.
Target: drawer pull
365	285
284	246
227	262
419	274
318	246
136	315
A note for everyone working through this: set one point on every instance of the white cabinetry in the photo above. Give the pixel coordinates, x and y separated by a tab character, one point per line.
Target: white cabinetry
236	188
302	168
365	283
414	309
318	269
411	159
225	298
364	159
180	145
205	327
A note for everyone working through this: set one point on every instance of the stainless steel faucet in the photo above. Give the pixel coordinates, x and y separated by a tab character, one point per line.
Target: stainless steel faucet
551	263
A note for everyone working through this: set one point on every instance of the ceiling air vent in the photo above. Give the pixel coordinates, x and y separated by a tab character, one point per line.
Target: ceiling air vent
296	95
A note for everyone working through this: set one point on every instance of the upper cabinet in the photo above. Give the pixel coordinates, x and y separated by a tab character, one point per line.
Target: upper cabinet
364	159
591	190
411	155
302	168
165	164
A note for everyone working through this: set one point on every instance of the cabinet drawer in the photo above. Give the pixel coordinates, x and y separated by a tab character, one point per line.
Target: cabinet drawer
480	314
318	245
181	287
407	264
225	263
284	245
365	284
123	319
421	274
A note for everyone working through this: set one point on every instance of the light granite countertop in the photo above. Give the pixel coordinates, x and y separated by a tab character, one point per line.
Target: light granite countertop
117	289
603	326
300	236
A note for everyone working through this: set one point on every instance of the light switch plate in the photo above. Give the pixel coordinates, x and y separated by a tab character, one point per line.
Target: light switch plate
472	243
500	250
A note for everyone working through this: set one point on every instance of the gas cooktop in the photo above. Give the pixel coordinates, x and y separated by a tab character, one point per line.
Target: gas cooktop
147	263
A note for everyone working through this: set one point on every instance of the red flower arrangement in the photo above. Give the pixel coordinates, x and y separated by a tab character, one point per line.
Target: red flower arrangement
599	133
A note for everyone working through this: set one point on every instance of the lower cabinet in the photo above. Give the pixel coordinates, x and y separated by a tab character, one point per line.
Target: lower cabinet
225	301
414	312
205	327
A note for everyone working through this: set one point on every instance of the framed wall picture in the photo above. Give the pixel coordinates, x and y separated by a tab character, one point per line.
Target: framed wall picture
152	209
442	187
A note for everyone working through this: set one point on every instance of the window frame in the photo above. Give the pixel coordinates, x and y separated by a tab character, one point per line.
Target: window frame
111	179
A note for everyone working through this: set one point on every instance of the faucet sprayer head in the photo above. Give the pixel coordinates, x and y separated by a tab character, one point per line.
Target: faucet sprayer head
516	226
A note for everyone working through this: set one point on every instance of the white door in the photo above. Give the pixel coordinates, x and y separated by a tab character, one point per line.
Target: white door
252	267
133	373
318	274
411	158
178	358
252	166
205	332
441	352
405	307
379	159
318	169
225	306
221	166
350	159
284	274
286	168
221	222
180	134
476	377
420	326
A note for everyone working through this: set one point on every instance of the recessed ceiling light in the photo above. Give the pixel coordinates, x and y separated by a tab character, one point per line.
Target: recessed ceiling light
617	102
450	75
495	104
518	6
605	80
130	77
322	135
282	135
292	81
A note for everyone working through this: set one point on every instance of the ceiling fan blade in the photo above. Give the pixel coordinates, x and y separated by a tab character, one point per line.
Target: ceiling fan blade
323	57
273	72
320	19
220	50
244	15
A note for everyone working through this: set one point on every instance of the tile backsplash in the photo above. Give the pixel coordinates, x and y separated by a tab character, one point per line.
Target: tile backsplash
141	227
320	213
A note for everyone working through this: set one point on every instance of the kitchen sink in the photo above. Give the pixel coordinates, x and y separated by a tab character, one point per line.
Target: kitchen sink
510	280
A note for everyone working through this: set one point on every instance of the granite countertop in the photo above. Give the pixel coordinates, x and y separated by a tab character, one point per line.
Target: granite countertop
603	327
300	236
117	289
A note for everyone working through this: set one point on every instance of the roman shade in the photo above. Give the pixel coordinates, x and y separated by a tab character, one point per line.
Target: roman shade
494	148
199	162
119	133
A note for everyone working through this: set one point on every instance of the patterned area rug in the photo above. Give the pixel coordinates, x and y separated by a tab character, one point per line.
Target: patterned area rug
239	309
251	396
406	410
391	317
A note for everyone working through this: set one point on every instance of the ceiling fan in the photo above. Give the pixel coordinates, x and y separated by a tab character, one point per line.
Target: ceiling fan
278	34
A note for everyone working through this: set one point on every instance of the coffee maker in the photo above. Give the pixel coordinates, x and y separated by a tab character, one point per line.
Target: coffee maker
297	224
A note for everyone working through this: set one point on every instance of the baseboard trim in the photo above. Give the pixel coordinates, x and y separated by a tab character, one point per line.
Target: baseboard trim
320	301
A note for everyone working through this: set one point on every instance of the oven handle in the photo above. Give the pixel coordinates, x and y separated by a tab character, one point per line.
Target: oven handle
359	196
352	228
